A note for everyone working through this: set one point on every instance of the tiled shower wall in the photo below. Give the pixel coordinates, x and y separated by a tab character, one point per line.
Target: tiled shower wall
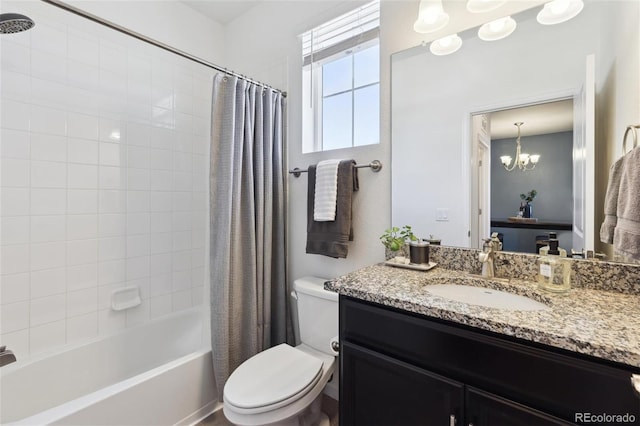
104	148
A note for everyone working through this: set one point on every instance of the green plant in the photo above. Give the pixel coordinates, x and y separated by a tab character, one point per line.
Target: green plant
395	237
528	197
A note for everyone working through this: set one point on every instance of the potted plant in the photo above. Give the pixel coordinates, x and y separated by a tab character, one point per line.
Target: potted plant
395	241
527	199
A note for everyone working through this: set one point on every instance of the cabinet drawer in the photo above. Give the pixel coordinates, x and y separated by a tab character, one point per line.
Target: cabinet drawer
550	381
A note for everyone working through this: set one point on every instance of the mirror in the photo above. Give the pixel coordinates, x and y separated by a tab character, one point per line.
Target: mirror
435	99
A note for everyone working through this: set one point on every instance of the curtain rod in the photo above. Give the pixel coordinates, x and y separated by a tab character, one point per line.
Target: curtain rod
375	166
116	27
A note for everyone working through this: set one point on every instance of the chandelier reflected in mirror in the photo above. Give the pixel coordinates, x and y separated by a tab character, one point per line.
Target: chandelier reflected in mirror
523	161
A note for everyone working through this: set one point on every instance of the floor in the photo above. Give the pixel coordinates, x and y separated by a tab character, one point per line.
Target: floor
329	406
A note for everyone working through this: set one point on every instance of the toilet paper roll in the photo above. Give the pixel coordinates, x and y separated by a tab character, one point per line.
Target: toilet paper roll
334	345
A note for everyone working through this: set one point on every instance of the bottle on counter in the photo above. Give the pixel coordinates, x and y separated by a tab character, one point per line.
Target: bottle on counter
554	271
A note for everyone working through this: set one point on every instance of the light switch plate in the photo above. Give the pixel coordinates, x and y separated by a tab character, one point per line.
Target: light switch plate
442	215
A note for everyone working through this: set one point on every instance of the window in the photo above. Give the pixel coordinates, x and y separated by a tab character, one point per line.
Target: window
341	82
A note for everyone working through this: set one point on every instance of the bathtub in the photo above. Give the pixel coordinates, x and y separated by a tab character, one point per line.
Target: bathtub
156	374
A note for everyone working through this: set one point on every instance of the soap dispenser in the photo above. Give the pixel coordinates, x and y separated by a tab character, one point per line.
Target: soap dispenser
554	271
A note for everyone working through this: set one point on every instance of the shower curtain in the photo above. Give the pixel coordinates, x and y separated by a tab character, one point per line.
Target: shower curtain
249	309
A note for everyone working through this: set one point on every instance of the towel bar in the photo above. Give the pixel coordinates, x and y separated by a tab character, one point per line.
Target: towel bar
630	130
375	166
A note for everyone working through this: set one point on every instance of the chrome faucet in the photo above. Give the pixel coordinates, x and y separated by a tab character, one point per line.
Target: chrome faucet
487	257
6	356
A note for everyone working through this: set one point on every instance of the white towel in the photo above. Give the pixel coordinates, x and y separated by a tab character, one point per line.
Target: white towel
326	193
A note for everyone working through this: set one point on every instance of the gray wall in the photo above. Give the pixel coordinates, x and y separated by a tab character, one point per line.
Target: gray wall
552	177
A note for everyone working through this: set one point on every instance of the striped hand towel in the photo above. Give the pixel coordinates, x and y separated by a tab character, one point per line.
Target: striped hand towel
326	192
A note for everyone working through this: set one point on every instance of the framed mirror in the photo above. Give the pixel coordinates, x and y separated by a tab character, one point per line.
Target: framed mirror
436	100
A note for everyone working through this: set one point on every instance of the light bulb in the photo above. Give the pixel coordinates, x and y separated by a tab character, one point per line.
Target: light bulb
534	158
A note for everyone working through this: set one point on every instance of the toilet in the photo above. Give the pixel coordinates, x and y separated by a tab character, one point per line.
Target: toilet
283	385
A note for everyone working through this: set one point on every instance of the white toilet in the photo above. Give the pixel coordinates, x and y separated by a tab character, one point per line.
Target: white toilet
283	385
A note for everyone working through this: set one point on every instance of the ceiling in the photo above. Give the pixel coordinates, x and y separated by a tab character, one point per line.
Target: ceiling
552	117
222	11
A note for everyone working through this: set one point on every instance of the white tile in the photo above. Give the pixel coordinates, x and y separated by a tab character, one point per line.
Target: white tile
83	327
181	221
48	256
82	201
112	201
111	321
160	201
48	66
160	284
82	302
14	201
181	240
15	316
110	272
138	315
161	242
17	341
160	222
82	276
112	154
198	257
112	131
15	57
181	300
80	252
83	47
47	336
15	85
162	138
48	174
113	58
160	180
14	259
160	159
48	282
80	227
182	161
138	223
15	115
137	179
15	143
137	245
112	248
198	238
183	102
83	76
48	94
201	126
48	201
49	39
48	228
82	151
137	201
142	284
112	225
111	177
182	181
137	157
83	126
199	201
47	147
47	309
197	296
82	176
184	123
160	306
161	264
137	267
198	277
14	230
182	260
181	280
14	288
162	97
138	134
48	120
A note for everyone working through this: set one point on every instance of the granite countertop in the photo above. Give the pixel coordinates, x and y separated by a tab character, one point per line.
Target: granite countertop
603	324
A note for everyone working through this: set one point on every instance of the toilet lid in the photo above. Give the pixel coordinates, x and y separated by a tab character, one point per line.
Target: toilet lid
272	376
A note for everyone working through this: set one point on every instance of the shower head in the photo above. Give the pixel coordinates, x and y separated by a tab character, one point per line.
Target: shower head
14	23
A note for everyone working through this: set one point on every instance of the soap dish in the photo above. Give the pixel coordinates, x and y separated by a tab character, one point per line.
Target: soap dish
414	266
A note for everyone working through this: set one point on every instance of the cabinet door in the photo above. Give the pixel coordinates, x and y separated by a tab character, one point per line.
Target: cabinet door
378	390
485	409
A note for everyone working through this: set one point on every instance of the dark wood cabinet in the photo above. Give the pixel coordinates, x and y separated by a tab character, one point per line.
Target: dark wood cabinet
399	368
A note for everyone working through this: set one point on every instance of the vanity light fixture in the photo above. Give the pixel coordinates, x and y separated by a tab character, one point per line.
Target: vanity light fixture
498	29
481	6
431	17
523	161
558	11
446	45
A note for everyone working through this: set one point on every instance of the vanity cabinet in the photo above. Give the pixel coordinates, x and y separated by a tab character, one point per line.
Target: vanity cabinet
399	368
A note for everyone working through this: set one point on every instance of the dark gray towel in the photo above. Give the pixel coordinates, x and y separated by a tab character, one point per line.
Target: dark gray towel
331	238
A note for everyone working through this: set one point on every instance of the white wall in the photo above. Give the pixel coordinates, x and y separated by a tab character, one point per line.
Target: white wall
104	150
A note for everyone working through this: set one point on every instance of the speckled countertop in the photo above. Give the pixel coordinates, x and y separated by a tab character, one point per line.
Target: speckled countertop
603	324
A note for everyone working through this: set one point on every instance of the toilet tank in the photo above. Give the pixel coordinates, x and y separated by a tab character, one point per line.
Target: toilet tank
317	313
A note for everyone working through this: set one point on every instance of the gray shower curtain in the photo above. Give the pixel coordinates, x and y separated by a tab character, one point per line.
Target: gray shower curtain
249	309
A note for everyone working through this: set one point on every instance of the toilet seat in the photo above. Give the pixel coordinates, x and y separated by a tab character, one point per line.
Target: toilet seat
272	379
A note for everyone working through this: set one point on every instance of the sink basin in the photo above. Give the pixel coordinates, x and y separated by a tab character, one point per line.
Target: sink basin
487	297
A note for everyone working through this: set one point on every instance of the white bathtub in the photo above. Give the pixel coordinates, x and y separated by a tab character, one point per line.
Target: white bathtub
156	374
